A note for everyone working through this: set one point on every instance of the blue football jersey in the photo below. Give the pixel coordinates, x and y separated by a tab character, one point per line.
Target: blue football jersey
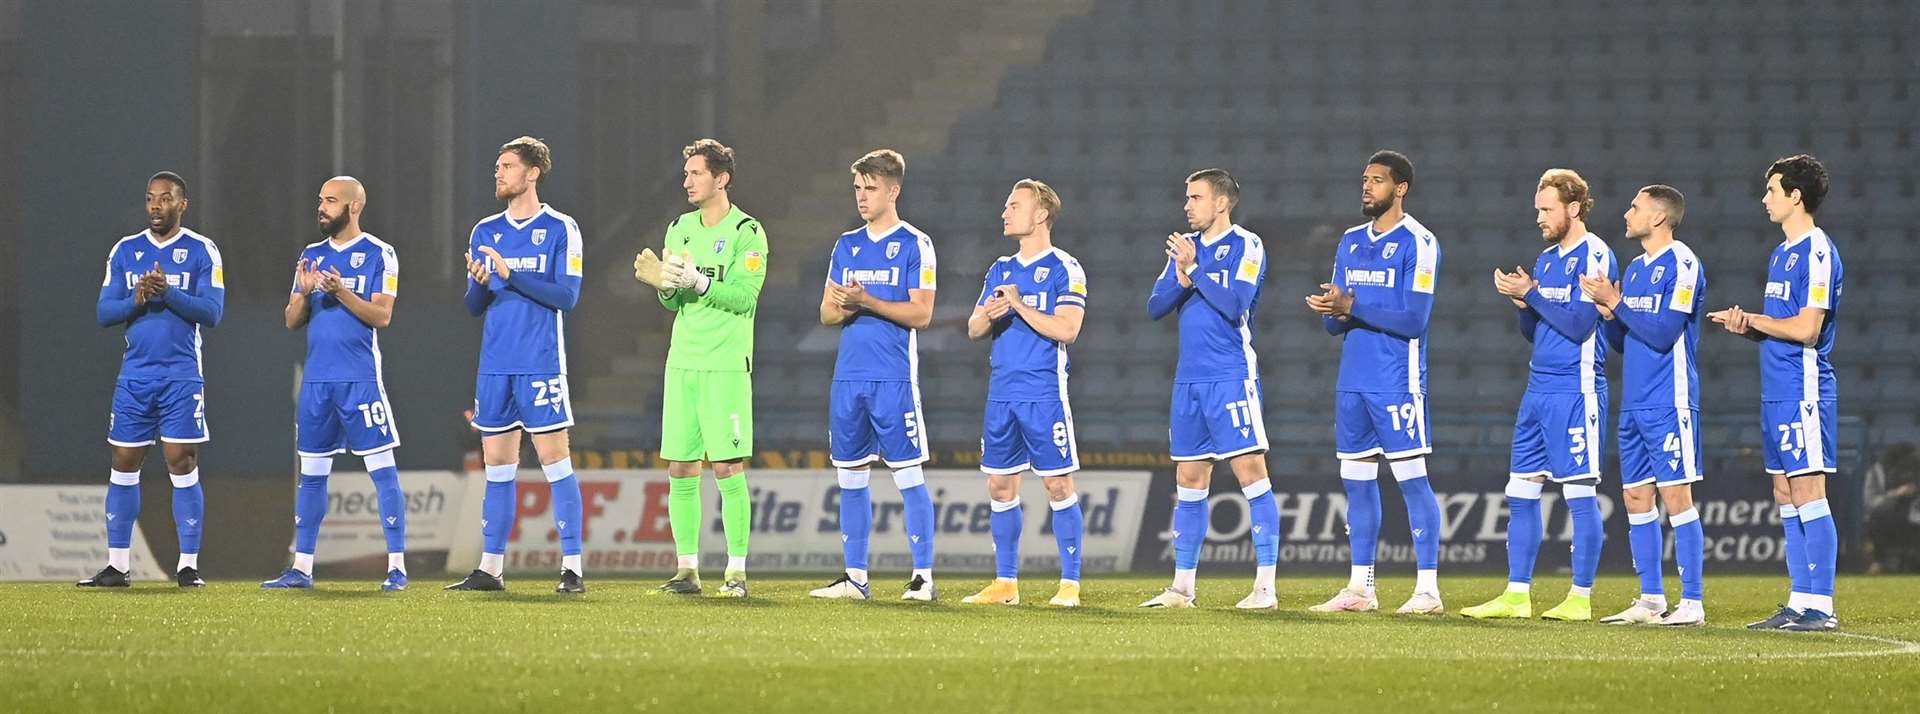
1216	314
1391	276
1804	272
163	337
1656	327
1568	355
873	348
1026	366
341	348
523	334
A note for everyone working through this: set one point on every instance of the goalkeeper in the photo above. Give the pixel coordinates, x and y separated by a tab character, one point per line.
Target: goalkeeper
716	261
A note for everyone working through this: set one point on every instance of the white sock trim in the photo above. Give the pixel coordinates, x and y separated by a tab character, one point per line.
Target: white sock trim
909	477
850	478
999	506
123	478
121	559
572	562
1579	490
1065	503
1523	488
190	478
303	562
558	470
502	473
1814	510
381	460
1359	470
1788	511
1641	519
1256	489
1409	469
1684	517
1190	494
316	466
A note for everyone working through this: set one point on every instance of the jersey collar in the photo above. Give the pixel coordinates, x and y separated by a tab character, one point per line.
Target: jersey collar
1036	258
517	225
875	238
1561	250
170	241
1223	234
1648	258
1791	242
343	248
1375	237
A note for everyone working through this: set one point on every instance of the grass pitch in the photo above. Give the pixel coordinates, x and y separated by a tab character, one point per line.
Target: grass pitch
346	647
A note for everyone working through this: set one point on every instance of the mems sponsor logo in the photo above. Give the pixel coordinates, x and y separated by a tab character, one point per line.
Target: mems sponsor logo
1357	277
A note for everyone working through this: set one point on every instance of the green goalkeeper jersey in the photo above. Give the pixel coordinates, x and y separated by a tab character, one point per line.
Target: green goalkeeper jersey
714	332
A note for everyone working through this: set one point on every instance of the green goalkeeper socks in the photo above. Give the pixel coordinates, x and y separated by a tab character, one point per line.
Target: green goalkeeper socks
736	512
683	512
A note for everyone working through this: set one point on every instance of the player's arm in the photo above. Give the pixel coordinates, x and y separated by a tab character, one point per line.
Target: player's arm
1169	293
989	311
1232	297
209	304
377	312
1335	325
1062	325
1409	322
1803	328
1658	330
1527	320
1578	318
1614	332
118	303
831	313
746	274
299	309
563	292
916	312
479	277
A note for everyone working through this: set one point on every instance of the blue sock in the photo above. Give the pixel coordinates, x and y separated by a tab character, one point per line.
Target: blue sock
1068	524
1643	539
1689	551
123	508
309	507
919	517
856	518
568	511
1265	514
1823	546
1796	550
1363	518
1189	527
189	510
1523	529
393	507
1423	517
497	509
1588	538
1006	526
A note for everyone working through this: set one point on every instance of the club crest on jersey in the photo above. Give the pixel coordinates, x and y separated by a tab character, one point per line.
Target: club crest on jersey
1040	274
1571	262
358	260
1658	271
539	236
893	250
179	255
1387	252
720	245
1220	253
1792	258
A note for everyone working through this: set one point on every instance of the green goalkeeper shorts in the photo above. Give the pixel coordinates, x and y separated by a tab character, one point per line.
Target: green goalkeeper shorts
706	416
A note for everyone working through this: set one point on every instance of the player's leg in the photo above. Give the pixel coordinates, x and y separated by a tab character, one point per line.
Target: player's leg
1069	524
682	448
131	428
1574	453
1637	461
1777	442
726	418
1047	428
1527	471
1250	470
555	452
1003	457
183	428
851	444
1807	484
900	427
373	434
497	415
1357	443
1190	444
1406	455
317	438
1689	553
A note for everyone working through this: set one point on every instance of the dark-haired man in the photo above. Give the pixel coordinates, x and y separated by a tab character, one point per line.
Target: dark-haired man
164	283
1797	386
